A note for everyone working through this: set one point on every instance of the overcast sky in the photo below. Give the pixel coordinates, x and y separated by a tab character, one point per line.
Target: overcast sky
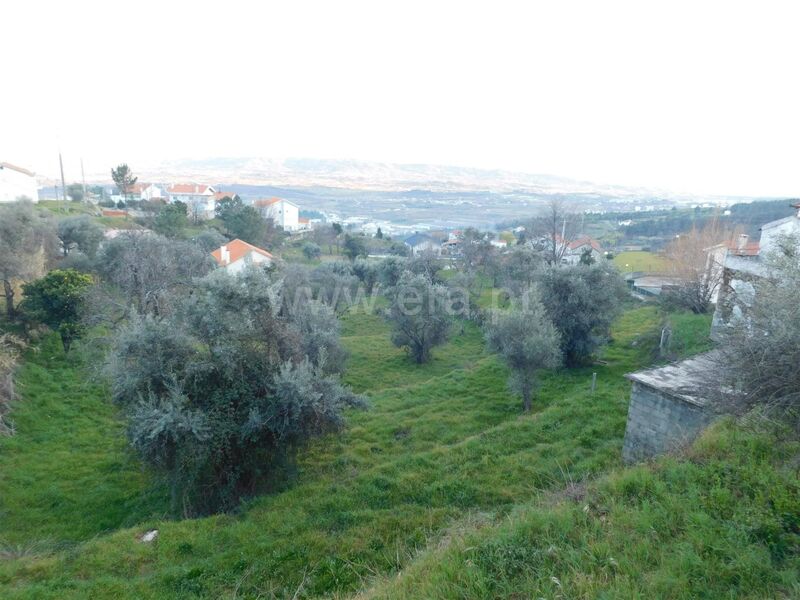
689	96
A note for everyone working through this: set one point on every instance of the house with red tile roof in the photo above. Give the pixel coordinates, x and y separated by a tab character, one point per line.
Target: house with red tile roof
238	254
140	191
222	195
199	199
576	248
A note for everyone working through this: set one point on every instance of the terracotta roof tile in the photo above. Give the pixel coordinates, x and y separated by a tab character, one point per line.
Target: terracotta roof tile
220	195
583	241
189	188
237	249
262	202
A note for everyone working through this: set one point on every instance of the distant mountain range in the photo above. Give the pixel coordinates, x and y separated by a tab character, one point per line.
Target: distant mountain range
417	196
378	176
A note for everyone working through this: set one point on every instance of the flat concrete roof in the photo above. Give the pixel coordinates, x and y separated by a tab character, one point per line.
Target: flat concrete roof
655	281
687	380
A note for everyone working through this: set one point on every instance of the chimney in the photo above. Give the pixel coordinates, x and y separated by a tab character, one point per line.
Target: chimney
741	242
224	255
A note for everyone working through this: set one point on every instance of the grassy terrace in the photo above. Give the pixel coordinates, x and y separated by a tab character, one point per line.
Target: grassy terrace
442	456
641	261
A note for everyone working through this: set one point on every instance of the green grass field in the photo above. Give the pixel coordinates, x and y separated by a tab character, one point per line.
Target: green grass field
641	261
442	460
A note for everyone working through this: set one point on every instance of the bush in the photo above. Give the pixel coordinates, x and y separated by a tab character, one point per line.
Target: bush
527	341
582	301
150	269
220	394
420	315
354	246
311	251
367	272
80	233
760	357
56	300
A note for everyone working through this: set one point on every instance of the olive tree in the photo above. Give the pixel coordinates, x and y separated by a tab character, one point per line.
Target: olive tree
527	341
427	264
582	302
389	271
421	315
758	361
27	242
367	272
80	233
209	239
311	250
334	284
519	269
148	269
221	393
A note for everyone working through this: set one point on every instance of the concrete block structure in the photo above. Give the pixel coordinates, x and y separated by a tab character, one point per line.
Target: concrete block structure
669	407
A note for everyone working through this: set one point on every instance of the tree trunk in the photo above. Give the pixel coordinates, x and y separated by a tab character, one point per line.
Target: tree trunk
9	293
526	398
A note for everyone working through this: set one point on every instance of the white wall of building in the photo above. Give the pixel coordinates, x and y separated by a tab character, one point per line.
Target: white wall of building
573	256
251	258
152	191
15	184
284	213
770	235
425	246
200	206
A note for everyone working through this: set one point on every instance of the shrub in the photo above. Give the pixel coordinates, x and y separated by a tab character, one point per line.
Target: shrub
527	341
582	301
220	394
311	250
56	300
420	315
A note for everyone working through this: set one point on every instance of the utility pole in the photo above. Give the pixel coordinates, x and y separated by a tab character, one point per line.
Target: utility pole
63	182
83	179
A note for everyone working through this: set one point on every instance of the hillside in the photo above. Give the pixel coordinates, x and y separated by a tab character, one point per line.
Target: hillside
442	455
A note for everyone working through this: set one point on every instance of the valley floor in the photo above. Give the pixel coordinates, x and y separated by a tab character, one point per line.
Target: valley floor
442	489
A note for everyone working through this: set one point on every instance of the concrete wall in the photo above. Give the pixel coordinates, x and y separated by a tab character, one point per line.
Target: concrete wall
658	423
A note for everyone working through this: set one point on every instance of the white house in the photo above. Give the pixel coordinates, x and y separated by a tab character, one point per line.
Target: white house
237	254
576	248
281	211
147	191
774	230
16	183
199	198
419	242
140	191
743	265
